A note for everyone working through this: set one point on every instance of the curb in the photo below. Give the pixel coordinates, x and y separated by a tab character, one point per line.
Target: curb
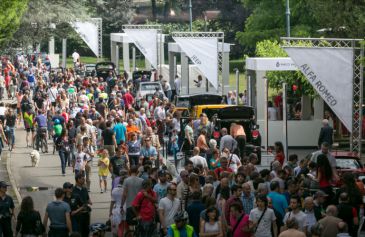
12	180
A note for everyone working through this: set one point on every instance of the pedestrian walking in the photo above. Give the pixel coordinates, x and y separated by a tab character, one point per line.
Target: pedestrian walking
58	212
6	210
29	222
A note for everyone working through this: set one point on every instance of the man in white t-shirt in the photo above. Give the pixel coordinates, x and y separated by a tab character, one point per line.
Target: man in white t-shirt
262	218
199	160
75	57
52	95
177	84
297	214
168	207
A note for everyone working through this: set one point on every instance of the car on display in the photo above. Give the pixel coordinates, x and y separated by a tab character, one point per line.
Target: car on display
90	70
103	68
245	116
192	106
346	162
189	101
146	88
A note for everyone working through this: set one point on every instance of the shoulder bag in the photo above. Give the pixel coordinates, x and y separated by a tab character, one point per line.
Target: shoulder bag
258	223
237	224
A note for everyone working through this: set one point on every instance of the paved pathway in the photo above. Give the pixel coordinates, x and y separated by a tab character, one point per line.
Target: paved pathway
40	182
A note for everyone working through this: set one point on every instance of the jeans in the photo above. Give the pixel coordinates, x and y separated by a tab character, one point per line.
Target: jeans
64	156
134	160
11	135
168	94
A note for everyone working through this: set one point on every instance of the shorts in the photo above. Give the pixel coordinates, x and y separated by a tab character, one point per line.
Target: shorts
53	104
101	178
30	129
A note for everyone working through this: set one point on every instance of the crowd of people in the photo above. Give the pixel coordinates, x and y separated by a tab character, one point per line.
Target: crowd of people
220	190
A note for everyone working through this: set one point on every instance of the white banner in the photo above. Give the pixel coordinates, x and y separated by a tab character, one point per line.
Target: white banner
146	42
203	52
330	71
88	31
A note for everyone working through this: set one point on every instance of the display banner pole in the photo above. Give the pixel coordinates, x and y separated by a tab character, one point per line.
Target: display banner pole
285	121
237	84
249	94
266	89
134	58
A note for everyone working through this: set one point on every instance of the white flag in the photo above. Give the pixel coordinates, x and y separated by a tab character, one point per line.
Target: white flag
203	52
88	31
330	71
146	42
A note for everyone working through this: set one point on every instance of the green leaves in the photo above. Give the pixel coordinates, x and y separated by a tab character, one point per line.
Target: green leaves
268	48
11	12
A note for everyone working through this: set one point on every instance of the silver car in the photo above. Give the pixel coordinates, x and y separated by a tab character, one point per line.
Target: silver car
146	88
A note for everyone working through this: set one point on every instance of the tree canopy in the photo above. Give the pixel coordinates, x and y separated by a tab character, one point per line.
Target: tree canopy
267	21
11	12
268	48
309	18
36	23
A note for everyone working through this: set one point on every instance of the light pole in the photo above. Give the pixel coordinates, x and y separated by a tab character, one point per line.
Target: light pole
190	16
287	13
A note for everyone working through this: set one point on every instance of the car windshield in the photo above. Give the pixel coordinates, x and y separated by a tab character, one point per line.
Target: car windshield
105	67
345	163
149	86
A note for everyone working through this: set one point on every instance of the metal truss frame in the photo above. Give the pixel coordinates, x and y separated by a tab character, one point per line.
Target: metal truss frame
158	39
220	47
357	95
144	27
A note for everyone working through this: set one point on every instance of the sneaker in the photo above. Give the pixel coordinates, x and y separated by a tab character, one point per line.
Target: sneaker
63	174
101	191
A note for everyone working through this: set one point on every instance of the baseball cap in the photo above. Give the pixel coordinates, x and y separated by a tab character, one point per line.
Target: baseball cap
67	185
3	184
320	193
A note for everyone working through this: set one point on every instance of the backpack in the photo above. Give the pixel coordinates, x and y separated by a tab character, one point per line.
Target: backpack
30	78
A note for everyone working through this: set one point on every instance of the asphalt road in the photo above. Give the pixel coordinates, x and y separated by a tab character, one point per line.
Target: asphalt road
40	182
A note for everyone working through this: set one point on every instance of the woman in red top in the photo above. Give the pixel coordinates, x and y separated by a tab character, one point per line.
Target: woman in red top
279	150
324	177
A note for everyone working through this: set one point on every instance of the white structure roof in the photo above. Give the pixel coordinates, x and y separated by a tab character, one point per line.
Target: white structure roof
270	64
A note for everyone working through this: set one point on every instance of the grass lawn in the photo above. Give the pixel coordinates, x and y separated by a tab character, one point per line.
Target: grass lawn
140	64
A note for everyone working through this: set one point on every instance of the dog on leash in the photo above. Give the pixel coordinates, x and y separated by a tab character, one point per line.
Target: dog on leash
34	158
